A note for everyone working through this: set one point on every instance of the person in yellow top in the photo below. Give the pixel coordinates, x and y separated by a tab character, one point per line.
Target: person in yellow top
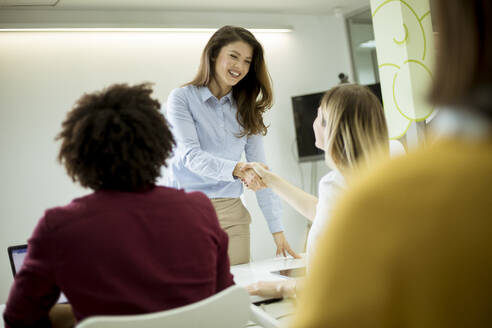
409	244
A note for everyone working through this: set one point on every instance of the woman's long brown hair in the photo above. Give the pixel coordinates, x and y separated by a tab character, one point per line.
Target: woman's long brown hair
253	94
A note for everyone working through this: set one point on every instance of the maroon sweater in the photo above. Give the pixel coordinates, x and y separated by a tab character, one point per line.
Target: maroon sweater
121	253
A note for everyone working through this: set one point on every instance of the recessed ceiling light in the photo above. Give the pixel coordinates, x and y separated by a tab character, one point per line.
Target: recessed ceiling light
15	3
143	29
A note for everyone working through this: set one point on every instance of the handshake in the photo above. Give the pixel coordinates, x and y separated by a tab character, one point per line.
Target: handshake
253	175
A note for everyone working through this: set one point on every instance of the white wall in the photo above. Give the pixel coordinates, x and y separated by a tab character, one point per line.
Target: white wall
43	73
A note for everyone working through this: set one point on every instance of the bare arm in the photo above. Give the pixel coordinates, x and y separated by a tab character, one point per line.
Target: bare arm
276	288
300	200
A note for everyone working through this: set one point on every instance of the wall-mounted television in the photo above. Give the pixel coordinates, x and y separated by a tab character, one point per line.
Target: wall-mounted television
305	108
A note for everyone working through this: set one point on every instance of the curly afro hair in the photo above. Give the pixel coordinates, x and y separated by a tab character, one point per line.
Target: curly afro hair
116	139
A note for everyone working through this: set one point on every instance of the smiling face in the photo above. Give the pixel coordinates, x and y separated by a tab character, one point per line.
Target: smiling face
232	64
319	130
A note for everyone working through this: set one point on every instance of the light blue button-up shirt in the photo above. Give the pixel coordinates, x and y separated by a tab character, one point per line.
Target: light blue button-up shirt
205	129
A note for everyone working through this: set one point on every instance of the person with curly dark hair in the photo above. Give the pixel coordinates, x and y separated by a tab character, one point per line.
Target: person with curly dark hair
121	249
116	139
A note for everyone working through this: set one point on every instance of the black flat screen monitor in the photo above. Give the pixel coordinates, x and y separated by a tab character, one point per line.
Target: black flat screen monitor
376	89
305	109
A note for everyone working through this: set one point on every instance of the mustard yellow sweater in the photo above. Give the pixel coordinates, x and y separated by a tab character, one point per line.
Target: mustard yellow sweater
410	245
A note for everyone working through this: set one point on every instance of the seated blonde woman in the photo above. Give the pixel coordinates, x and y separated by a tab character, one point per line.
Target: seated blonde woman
351	129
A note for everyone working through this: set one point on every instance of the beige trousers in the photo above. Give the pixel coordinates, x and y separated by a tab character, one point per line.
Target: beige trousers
234	218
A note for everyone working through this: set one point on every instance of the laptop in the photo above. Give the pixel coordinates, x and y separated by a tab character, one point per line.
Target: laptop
16	257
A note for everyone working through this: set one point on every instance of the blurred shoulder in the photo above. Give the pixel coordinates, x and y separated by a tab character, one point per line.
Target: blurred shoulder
199	202
57	216
199	198
193	198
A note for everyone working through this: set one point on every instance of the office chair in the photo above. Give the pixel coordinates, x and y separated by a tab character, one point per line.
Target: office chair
228	309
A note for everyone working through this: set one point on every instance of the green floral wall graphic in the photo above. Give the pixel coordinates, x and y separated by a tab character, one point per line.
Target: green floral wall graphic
405	51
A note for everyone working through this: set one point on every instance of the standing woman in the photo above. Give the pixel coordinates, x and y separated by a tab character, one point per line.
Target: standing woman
215	118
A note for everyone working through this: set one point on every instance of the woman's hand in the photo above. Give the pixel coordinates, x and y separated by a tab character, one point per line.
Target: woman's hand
248	176
283	246
262	170
252	180
276	289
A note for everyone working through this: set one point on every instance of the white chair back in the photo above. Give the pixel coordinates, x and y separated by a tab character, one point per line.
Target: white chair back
228	309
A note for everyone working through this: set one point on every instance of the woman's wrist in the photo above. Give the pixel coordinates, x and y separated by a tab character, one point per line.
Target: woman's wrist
289	288
269	178
237	173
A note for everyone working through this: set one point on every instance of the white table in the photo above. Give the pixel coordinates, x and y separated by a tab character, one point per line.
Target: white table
246	274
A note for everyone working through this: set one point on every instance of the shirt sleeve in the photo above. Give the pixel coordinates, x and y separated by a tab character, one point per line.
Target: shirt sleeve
34	291
194	158
267	200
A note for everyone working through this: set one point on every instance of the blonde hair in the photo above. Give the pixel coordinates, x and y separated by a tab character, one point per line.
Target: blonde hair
355	126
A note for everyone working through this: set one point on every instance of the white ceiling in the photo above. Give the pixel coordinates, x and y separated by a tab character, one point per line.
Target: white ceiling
310	7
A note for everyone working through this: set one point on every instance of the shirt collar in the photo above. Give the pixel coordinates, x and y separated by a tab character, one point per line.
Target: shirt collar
206	94
229	96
